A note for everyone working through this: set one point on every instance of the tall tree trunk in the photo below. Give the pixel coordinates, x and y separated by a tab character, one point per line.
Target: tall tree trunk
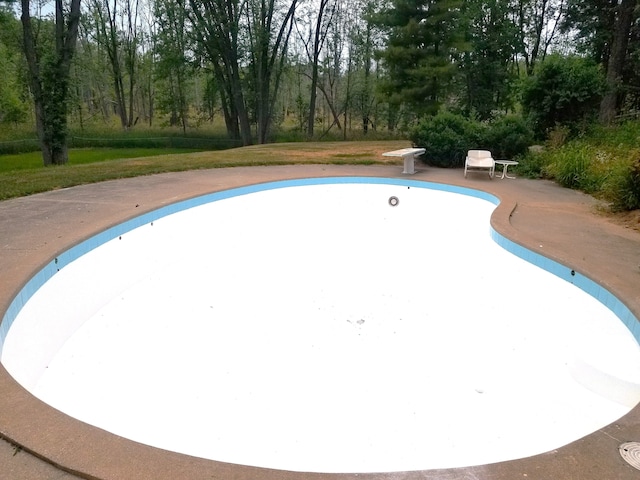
182	99
114	55
624	19
268	55
131	53
49	79
230	117
312	99
314	56
347	93
107	28
239	104
537	22
216	24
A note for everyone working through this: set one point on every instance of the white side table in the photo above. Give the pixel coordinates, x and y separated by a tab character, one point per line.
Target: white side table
505	164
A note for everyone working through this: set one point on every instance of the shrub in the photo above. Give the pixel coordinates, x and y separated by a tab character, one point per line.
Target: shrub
446	138
622	188
508	137
623	135
558	136
562	91
576	165
533	164
12	147
629	191
168	138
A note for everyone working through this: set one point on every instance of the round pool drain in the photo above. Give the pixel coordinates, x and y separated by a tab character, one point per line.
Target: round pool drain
630	451
393	201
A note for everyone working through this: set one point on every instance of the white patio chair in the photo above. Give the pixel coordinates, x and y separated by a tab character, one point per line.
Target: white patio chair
479	160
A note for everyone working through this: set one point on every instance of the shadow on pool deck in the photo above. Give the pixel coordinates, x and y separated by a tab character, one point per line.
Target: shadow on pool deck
46	444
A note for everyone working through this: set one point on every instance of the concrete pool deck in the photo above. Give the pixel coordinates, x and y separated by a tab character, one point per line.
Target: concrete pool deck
559	223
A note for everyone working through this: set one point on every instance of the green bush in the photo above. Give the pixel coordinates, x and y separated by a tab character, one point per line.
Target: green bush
562	91
446	137
622	188
149	140
533	164
623	135
601	165
575	166
12	147
508	137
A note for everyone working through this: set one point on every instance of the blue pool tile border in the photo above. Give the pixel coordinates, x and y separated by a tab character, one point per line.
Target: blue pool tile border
574	277
41	277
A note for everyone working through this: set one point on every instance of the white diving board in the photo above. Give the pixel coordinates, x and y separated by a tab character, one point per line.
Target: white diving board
408	155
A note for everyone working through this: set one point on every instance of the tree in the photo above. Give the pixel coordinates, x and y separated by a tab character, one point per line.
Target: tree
538	23
91	72
562	91
423	38
269	27
246	44
117	32
615	65
604	31
607	31
591	24
217	25
171	44
13	107
314	42
147	62
49	77
487	67
361	59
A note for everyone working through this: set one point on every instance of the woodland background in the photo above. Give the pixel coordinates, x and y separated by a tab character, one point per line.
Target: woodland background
257	71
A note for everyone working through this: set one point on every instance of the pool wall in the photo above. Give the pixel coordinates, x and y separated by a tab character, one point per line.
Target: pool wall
41	443
581	281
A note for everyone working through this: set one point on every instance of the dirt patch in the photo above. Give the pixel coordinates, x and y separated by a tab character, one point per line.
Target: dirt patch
629	220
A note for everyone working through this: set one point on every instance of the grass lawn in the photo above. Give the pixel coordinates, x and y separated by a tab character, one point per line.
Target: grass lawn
24	174
33	160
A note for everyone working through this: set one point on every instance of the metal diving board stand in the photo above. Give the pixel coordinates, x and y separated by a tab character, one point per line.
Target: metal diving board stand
408	155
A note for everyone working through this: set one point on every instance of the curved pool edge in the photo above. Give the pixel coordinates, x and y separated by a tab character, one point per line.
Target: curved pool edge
80	449
551	265
64	258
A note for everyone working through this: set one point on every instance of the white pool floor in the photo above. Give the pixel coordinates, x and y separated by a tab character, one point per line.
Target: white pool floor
317	328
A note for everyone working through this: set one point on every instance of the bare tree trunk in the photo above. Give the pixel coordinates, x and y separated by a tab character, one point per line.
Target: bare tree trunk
544	16
268	55
624	19
230	117
131	52
216	23
319	36
107	28
111	44
347	95
313	96
238	103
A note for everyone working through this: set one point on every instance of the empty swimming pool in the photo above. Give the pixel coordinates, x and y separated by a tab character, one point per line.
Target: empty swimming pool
323	326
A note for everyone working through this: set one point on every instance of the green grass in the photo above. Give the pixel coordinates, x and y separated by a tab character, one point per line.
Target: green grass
92	165
33	160
16	139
